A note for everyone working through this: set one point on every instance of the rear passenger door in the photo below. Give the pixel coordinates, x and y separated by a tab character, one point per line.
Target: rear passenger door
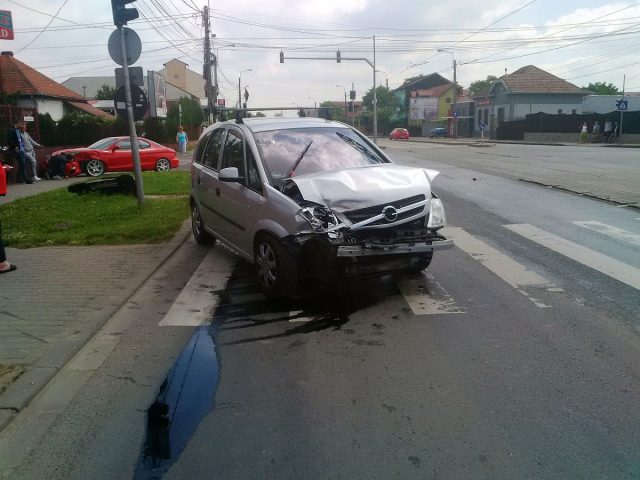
205	178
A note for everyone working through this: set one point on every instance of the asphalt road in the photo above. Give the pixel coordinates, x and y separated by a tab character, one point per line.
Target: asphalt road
514	356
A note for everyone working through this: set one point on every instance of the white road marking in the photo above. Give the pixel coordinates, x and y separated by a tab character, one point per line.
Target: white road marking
196	302
503	266
425	296
602	263
611	231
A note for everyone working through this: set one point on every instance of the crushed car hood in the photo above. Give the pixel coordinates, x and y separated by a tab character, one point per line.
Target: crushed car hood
360	187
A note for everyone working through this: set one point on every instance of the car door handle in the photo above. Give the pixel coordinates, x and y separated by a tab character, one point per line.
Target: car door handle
217	192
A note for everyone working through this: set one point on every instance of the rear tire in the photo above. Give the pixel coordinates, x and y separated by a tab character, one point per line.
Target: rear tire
197	227
276	268
163	165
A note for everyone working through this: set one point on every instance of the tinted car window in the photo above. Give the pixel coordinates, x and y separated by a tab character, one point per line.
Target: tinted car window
326	149
124	145
102	144
201	148
143	144
212	152
253	177
233	155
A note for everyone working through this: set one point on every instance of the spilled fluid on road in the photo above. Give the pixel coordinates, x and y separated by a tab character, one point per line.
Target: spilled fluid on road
186	396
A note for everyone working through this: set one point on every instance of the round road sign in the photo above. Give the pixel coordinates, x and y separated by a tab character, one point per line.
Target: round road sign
132	44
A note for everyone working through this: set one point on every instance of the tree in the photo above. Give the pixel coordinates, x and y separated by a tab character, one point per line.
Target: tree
601	88
387	106
480	87
105	92
191	118
337	112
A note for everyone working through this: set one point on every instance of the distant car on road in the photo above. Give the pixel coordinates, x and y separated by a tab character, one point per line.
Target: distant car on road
438	132
399	134
113	154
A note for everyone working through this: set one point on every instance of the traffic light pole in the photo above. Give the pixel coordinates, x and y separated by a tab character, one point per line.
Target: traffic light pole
339	59
135	150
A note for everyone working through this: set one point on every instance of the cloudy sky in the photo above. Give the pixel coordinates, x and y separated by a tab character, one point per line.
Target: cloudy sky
580	41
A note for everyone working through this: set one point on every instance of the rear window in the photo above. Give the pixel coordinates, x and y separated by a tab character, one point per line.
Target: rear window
314	150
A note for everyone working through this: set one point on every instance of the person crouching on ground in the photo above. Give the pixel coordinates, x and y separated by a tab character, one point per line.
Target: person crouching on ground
182	139
29	153
5	266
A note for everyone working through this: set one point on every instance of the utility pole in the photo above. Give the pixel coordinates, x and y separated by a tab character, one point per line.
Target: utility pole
455	98
375	96
208	89
624	80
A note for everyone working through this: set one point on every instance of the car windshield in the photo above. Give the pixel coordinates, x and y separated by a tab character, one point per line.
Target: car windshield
327	149
102	144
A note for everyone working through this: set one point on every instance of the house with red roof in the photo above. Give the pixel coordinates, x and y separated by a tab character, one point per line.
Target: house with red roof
38	92
527	90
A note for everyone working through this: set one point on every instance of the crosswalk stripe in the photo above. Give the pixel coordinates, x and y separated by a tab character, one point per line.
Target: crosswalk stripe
602	263
425	296
505	267
196	302
611	231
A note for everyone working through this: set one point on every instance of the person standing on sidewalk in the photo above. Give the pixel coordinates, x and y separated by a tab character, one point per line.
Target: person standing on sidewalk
16	145
182	139
5	266
583	133
29	153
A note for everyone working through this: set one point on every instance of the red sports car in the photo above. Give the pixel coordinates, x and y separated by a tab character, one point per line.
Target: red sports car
399	134
113	154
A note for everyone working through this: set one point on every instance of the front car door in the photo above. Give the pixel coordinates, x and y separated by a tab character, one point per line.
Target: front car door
241	201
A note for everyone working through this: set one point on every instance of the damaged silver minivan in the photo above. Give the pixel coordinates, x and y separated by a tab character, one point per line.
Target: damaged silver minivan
311	198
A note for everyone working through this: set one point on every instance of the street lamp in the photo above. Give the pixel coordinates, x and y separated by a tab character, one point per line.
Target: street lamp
455	92
239	81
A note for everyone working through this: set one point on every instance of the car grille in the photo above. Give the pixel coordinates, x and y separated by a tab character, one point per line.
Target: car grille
362	214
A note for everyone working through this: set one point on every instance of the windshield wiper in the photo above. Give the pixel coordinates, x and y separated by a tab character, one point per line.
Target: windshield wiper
358	146
298	160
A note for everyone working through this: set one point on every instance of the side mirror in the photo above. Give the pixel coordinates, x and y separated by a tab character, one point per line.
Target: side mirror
230	174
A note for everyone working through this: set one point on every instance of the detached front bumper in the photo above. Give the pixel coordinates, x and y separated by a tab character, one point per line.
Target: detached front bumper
369	250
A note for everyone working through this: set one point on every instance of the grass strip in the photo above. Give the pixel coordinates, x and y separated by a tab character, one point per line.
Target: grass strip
62	218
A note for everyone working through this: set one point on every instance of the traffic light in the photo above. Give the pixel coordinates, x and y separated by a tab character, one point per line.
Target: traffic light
122	14
281	56
338	58
352	94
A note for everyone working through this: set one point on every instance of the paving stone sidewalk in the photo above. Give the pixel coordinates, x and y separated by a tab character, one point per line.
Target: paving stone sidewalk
59	298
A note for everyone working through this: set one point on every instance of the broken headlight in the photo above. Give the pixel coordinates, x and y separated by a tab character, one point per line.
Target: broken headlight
319	217
437	218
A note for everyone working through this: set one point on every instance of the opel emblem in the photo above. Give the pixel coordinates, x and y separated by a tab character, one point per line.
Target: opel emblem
390	213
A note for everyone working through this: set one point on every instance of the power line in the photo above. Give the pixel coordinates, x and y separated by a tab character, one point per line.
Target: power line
45	27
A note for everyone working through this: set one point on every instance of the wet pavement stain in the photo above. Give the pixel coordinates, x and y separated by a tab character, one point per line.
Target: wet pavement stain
186	396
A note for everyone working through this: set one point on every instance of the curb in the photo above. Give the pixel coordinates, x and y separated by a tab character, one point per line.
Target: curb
20	393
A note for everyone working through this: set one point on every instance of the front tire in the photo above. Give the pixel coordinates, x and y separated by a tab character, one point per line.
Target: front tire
197	227
94	168
276	268
163	165
421	262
